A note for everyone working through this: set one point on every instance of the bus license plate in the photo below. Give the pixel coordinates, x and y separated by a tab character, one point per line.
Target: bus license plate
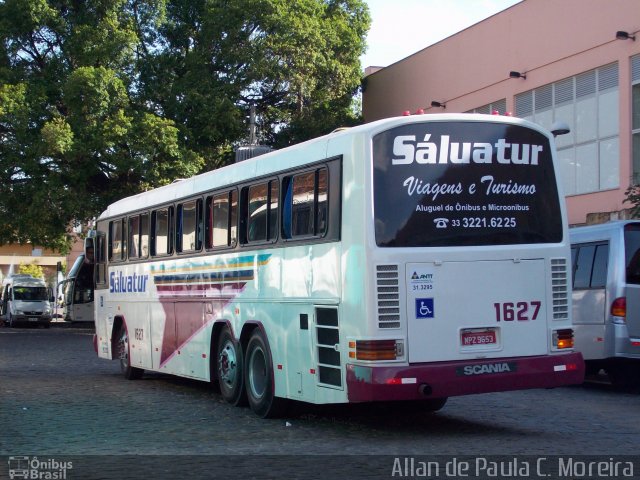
471	338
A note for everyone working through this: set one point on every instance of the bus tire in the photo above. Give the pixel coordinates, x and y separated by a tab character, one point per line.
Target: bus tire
426	405
434	404
123	352
624	374
259	379
229	368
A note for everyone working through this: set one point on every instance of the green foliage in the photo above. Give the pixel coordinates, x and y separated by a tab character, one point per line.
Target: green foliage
100	99
632	196
36	271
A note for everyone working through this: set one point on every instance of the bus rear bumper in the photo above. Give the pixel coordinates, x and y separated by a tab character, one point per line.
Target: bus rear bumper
448	379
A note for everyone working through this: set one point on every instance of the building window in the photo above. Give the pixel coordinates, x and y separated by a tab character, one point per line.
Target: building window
499	106
589	103
635	111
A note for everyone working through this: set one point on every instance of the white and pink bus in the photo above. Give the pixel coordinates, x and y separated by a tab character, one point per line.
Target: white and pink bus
413	258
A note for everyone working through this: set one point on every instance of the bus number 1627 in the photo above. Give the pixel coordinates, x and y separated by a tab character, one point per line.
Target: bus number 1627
521	311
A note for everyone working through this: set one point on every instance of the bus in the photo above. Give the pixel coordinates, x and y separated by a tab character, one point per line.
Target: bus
409	259
606	298
77	289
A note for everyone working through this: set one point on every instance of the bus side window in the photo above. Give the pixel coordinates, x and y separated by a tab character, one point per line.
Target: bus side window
257	213
305	212
272	232
233	219
287	207
222	217
590	265
139	236
260	212
144	235
599	273
584	264
134	237
161	243
117	240
101	268
321	202
189	226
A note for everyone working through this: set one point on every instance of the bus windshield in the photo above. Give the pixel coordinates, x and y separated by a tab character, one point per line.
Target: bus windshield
464	184
30	293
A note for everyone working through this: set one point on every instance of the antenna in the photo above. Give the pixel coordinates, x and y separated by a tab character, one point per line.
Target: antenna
252	148
252	125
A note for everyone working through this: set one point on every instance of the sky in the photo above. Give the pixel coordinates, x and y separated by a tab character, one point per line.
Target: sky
400	28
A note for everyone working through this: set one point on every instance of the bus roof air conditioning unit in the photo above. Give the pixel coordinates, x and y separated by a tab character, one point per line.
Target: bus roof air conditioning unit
249	151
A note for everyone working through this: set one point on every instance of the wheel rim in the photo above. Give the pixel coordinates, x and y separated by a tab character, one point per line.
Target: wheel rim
123	354
258	379
228	364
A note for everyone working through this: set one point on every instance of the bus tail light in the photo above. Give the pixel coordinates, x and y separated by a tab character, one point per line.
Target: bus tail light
563	339
375	350
619	309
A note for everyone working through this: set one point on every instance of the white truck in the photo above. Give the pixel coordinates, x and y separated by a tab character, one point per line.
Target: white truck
25	300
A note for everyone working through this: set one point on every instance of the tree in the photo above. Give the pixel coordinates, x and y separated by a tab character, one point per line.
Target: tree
36	271
100	99
73	136
632	196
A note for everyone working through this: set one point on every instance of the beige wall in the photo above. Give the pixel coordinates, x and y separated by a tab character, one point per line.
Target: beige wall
548	39
12	256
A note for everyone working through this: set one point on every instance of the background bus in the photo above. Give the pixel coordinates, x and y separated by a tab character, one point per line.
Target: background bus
413	258
77	288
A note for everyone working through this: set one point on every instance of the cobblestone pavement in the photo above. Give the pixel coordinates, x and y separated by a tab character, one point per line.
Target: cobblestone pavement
58	398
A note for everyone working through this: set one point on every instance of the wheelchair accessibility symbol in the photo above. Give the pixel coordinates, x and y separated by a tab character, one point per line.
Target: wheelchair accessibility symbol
424	308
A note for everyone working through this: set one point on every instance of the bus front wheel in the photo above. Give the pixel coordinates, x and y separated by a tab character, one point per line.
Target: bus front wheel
259	379
123	350
229	367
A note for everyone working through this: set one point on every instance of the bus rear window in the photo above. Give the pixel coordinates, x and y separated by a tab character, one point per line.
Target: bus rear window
464	184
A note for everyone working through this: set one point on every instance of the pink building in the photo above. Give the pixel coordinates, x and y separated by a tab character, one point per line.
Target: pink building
543	60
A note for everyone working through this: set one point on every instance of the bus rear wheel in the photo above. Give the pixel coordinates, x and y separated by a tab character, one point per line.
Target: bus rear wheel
623	373
229	368
259	379
123	350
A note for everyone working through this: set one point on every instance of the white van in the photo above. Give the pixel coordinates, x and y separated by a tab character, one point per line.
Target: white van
606	298
26	300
